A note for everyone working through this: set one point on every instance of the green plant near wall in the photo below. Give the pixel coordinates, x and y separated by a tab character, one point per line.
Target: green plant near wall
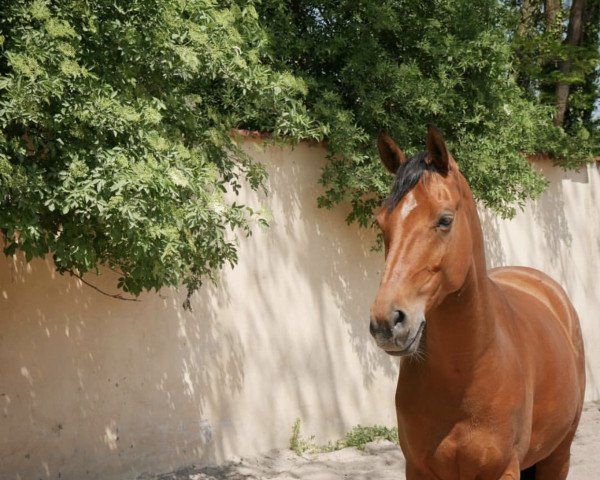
115	144
357	437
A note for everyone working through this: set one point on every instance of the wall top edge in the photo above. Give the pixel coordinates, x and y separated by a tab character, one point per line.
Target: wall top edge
262	136
258	136
249	134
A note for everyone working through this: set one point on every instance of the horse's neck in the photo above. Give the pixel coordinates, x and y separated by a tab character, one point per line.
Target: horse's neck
463	326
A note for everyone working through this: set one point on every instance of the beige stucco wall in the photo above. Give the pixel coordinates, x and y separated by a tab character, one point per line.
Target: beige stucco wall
98	388
95	388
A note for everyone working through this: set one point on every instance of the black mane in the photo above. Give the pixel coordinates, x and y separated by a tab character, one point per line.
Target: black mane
407	176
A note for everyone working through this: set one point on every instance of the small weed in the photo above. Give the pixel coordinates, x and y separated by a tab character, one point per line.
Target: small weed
357	438
301	445
295	436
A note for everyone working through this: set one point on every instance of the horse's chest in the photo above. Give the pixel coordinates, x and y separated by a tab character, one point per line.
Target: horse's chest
472	432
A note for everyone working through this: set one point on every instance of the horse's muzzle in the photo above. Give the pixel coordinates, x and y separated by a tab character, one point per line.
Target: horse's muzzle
398	340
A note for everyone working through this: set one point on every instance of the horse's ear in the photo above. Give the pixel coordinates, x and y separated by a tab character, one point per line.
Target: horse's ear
391	155
436	149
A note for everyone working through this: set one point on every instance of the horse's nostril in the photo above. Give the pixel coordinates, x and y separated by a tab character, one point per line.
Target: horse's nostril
398	316
378	329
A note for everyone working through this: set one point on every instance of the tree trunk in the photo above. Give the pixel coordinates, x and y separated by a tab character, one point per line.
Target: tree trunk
574	36
552	10
591	40
525	31
528	10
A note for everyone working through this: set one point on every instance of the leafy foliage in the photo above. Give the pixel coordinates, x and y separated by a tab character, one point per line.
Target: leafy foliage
115	145
396	65
539	46
115	117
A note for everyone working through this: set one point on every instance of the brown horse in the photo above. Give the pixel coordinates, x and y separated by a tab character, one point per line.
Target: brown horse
493	380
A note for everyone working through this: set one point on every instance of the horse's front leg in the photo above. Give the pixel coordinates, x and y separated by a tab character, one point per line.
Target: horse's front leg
513	471
415	473
556	465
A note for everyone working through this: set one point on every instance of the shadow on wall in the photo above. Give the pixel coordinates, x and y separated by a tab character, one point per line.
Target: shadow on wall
494	250
332	260
543	224
92	387
325	281
97	388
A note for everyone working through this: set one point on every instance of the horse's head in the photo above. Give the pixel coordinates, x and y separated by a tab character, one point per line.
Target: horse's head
428	244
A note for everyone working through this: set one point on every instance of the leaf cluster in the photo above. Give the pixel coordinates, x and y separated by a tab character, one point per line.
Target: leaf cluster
398	65
115	144
115	117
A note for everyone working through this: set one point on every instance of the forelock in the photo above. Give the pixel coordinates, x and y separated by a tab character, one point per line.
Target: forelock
407	177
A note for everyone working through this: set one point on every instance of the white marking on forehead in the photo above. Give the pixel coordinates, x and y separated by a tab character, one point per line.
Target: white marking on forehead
409	204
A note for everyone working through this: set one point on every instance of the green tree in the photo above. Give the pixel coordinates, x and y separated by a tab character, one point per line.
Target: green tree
115	117
115	144
396	65
557	51
584	94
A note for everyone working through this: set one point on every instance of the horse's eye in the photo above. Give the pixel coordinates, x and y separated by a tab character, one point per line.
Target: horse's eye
445	221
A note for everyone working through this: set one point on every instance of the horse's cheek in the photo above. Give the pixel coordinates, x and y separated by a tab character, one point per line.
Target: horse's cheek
457	262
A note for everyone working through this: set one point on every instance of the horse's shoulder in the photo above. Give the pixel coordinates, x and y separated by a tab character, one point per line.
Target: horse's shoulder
528	290
507	273
527	281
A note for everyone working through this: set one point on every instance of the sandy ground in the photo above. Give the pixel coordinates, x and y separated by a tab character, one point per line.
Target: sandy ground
379	460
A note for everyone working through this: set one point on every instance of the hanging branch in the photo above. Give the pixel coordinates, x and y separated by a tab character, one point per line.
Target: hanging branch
118	296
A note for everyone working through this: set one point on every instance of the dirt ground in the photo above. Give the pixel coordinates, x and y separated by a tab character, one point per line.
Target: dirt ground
379	460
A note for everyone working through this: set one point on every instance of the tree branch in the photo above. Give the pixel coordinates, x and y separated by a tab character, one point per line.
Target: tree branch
118	296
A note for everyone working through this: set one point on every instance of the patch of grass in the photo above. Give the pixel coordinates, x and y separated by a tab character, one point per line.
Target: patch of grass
357	438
